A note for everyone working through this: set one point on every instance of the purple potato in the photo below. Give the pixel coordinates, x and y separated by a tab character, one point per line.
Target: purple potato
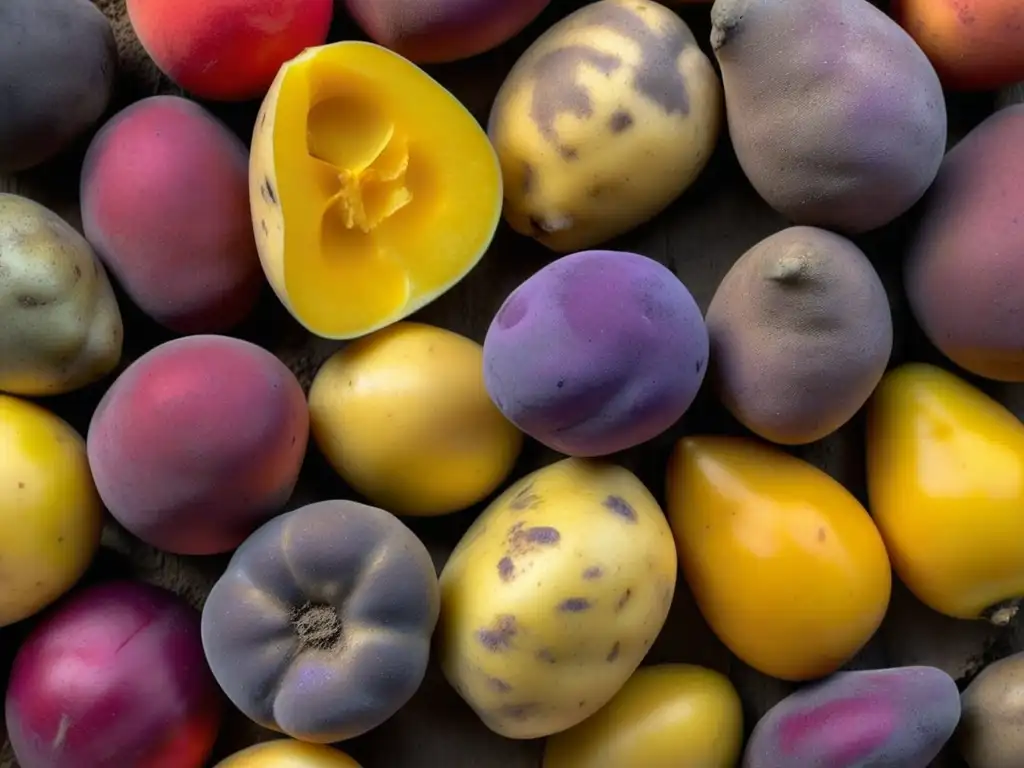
597	352
320	627
890	718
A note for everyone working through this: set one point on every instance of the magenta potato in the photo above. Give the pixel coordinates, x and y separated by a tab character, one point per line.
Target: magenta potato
114	676
198	442
435	31
890	718
165	203
597	352
964	273
320	627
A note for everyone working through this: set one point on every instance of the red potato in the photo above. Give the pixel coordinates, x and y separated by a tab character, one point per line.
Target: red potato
165	204
115	676
227	50
198	443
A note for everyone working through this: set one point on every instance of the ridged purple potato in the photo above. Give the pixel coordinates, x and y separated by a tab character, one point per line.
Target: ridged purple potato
320	627
836	115
198	442
801	334
965	267
434	31
597	352
890	718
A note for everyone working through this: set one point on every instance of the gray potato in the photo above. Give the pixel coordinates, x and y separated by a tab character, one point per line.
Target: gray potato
991	732
60	326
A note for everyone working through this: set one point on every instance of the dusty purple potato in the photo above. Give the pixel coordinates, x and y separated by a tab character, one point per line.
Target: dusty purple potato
434	31
890	718
836	115
597	352
801	334
965	268
320	627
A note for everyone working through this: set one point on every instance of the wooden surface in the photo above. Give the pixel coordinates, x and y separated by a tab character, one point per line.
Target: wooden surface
699	237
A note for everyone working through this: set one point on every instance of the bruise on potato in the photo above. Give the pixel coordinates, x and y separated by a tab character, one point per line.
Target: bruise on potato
320	627
892	718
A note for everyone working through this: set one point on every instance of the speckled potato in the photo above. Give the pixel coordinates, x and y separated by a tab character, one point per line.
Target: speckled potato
607	118
889	718
596	353
60	326
320	627
58	60
554	596
800	333
990	733
665	716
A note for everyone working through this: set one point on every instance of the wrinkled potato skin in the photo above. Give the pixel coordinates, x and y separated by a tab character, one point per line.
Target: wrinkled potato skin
58	60
60	326
964	272
973	44
990	733
603	122
554	596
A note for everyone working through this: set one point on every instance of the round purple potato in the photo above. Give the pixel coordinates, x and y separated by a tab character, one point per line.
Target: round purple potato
320	627
597	352
890	718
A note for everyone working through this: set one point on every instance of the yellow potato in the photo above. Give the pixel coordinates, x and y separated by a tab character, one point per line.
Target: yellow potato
607	118
665	716
50	512
554	595
402	415
60	326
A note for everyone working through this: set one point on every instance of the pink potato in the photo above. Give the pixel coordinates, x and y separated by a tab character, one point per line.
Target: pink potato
165	204
198	443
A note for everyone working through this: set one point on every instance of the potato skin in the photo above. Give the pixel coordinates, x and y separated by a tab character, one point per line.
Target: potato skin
198	442
990	735
964	271
836	115
320	627
436	31
60	326
288	753
597	352
973	44
553	597
59	60
165	203
607	118
890	718
801	334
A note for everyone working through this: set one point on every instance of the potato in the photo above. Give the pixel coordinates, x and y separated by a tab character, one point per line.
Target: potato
165	205
553	597
889	718
198	442
402	415
665	716
434	31
597	352
607	118
836	115
990	735
354	231
50	513
974	44
800	333
320	627
60	326
288	753
58	60
227	50
964	271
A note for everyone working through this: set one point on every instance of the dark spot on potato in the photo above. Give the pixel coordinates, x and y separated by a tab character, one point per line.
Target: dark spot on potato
569	153
30	302
525	499
499	637
620	121
625	598
263	226
821	534
546	655
582	703
613	654
506	569
499	685
542	534
620	507
268	192
21	485
78	273
263	118
39	584
574	605
699	365
593	572
561	383
317	627
529	178
60	539
518	711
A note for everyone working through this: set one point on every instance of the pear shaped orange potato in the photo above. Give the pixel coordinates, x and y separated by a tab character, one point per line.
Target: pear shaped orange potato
372	189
